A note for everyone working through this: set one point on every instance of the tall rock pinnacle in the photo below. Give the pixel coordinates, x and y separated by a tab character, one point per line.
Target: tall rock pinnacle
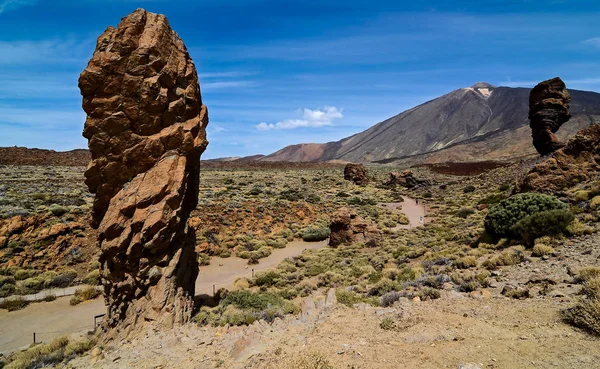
548	111
146	130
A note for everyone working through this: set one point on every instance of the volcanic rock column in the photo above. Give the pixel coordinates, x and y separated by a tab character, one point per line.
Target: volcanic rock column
548	111
146	130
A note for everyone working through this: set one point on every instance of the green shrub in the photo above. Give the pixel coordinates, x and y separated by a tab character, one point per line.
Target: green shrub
387	324
465	212
350	298
31	285
267	279
22	274
7	286
503	216
492	199
58	210
469	188
540	250
544	223
14	304
93	278
315	234
466	262
84	294
585	315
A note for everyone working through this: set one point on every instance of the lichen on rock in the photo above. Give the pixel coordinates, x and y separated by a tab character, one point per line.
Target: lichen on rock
146	130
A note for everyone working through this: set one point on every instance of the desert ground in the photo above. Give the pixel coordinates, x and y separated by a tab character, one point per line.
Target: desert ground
430	293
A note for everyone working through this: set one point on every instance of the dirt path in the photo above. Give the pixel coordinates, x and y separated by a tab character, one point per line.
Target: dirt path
57	292
452	332
48	320
223	272
412	209
58	318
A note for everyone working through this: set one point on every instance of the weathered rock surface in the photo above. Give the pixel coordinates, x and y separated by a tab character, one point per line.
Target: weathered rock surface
405	179
347	227
356	173
146	130
577	162
548	111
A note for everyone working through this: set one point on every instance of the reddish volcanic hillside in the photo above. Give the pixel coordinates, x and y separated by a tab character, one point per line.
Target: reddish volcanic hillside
24	156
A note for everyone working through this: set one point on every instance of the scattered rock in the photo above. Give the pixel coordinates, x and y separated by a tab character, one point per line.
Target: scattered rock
548	111
347	227
405	179
577	162
146	130
356	173
516	292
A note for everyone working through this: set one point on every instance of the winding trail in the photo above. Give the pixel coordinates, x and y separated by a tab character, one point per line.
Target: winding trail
57	318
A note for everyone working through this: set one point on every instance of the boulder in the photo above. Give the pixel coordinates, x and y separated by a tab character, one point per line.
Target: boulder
405	179
356	173
577	162
548	111
146	130
347	227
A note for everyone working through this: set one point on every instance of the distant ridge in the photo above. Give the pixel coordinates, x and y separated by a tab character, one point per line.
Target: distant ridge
476	123
25	156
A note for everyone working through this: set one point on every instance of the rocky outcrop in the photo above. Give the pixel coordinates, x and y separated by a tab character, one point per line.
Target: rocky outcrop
577	162
356	173
405	179
146	130
347	228
548	111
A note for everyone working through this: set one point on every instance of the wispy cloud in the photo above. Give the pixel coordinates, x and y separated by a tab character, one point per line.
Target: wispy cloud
51	119
234	74
309	118
569	82
226	84
13	4
68	50
595	42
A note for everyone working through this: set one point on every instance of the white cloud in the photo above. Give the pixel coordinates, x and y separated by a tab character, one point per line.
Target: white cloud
68	50
310	118
225	84
593	41
13	4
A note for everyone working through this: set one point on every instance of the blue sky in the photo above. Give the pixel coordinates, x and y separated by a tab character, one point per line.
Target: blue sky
277	72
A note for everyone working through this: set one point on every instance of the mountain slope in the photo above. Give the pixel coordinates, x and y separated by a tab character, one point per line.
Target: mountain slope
483	120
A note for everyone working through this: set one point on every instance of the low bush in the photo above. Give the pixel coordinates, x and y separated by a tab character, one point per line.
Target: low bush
540	250
465	212
58	210
308	360
584	315
245	307
492	199
13	304
507	257
544	223
503	216
49	354
469	189
31	286
350	298
465	262
268	279
7	286
84	294
387	324
315	234
93	278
